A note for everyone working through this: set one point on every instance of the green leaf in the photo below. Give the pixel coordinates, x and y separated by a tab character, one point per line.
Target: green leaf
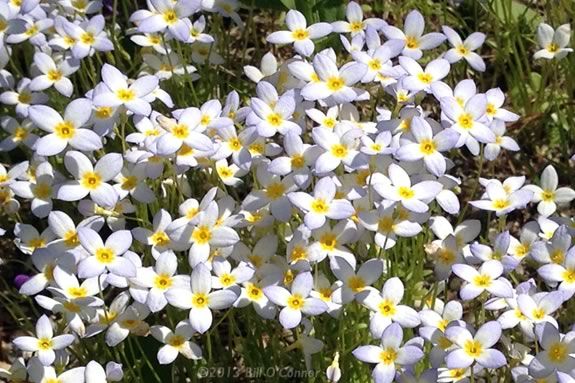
330	10
514	11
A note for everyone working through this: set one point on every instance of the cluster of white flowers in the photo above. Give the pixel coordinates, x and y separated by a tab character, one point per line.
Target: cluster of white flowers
290	204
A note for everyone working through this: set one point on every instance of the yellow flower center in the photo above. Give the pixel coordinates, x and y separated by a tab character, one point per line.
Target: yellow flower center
385	224
557	256
300	34
32	30
254	292
105	255
160	238
553	47
490	109
406	192
36	243
319	206
176	341
374	64
473	348
126	95
328	241
457	373
427	147
558	352
445	256
163	281
339	151
129	183
388	356
356	26
356	283
548	195
44	344
69	40
64	130
482	280
206	119
91	180
24	98
569	275
103	112
519	314
87	38
42	190
297	161
202	235
200	300
387	308
463	50
274	119
19	134
329	122
425	78
257	148
227	279
275	190
71	238
500	204
411	42
444	343
295	302
335	83
235	144
72	307
170	17
298	253
78	292
107	317
54	75
48	271
466	121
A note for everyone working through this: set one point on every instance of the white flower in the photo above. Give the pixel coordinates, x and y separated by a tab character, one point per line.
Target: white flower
176	342
332	82
199	300
91	179
501	202
322	205
413	37
54	75
340	146
464	49
159	279
475	348
487	278
44	343
271	112
386	307
105	256
398	188
548	196
553	42
299	33
169	15
64	131
427	146
420	79
492	149
133	96
556	356
390	355
355	24
295	301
